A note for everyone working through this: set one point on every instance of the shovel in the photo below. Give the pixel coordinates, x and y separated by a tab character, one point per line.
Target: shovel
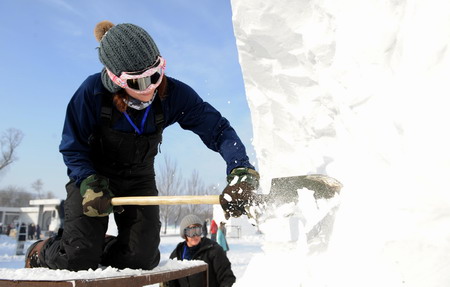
283	190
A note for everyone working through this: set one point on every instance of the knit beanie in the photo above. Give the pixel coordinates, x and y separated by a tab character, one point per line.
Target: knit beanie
189	220
124	48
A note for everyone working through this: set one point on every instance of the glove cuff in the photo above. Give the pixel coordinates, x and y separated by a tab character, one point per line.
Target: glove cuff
96	183
244	174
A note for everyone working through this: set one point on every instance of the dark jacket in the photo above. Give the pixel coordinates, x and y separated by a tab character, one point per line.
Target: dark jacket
182	105
219	267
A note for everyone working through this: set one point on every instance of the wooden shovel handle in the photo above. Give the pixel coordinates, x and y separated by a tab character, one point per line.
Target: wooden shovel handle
166	200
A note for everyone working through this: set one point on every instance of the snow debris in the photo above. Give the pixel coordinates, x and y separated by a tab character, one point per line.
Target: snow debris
234	181
227	197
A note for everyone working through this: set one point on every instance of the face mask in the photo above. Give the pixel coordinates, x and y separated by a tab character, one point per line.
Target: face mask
138	105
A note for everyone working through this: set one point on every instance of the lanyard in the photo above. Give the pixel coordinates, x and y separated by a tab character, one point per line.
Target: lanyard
141	130
185	251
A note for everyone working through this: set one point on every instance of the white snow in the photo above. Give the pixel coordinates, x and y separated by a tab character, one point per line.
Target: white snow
234	181
43	274
356	90
227	197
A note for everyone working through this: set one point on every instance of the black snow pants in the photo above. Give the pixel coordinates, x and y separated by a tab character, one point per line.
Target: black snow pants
82	244
127	160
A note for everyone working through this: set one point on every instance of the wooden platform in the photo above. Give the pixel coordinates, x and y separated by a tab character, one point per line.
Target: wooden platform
145	278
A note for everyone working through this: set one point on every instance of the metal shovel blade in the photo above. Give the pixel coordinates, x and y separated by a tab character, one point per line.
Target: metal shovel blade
285	189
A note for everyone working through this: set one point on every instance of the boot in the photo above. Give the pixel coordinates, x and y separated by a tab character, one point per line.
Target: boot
32	258
106	259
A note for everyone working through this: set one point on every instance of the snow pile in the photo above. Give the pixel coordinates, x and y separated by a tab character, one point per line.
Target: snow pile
356	90
44	274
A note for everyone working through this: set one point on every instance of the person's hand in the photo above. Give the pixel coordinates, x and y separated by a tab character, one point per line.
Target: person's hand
240	191
96	196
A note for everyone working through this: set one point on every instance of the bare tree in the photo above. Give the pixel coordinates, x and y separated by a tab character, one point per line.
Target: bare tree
169	183
196	186
207	210
13	196
37	186
49	194
9	141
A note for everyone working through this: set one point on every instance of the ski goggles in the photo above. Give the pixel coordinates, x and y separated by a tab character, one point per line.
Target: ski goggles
140	82
193	231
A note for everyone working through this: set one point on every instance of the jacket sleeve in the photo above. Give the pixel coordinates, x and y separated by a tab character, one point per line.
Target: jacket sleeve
82	115
222	268
192	113
174	254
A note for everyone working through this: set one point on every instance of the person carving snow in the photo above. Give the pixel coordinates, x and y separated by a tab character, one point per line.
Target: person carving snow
113	128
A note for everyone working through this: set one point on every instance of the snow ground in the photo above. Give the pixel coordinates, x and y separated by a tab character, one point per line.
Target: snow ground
240	254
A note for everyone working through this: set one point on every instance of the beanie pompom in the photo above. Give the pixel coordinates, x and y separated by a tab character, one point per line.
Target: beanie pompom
101	29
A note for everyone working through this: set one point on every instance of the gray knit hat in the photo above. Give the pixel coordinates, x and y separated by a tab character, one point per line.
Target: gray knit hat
188	220
124	48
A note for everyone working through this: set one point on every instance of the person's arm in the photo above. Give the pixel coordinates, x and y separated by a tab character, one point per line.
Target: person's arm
82	116
222	268
174	256
186	107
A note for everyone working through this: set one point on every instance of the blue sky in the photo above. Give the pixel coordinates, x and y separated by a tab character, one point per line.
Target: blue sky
48	49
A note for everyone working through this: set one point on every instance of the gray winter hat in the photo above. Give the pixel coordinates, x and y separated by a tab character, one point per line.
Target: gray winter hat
124	48
189	220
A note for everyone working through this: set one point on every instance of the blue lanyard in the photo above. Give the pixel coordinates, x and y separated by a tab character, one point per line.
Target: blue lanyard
184	252
141	130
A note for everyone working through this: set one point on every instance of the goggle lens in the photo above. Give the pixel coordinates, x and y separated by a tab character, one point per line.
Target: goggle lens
143	83
193	231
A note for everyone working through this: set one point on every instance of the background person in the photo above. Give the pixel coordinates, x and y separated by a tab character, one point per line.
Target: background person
222	237
38	232
31	231
213	230
205	228
195	247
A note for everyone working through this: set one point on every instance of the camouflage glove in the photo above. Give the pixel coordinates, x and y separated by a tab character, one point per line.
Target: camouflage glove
240	191
96	196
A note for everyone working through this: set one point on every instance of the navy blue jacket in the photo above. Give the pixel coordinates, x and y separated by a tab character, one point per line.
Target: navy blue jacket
182	105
